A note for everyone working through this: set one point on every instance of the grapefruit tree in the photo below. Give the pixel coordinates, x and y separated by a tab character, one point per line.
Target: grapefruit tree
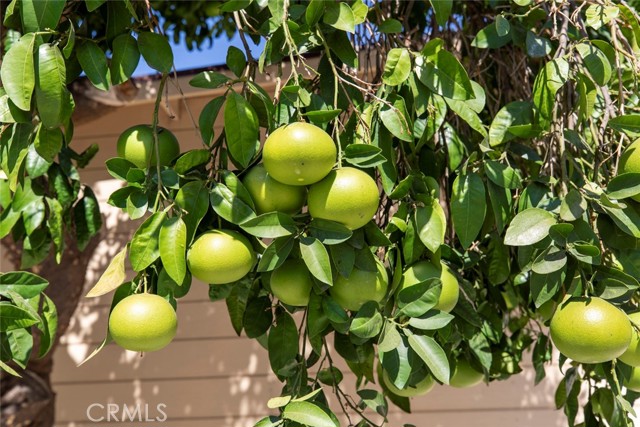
477	176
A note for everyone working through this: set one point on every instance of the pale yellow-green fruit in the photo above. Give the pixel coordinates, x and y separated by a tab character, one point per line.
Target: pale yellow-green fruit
299	154
590	330
631	356
630	161
360	287
464	375
269	195
220	256
136	145
419	389
291	283
424	270
633	383
347	195
143	322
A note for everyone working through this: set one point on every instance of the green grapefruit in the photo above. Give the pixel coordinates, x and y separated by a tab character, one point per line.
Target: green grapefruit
143	322
299	154
220	256
630	161
291	283
270	195
590	330
136	145
361	286
633	383
424	270
421	387
464	375
347	195
632	355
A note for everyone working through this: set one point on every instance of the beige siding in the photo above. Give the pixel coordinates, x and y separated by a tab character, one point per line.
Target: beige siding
208	376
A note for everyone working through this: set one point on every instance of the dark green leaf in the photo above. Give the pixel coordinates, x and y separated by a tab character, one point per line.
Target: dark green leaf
172	245
574	205
596	62
433	355
94	63
431	321
193	199
25	284
395	118
270	225
145	242
340	16
528	227
431	224
283	342
14	317
442	9
236	300
87	218
124	59
229	206
48	143
41	14
503	175
257	317
51	90
241	129
368	321
329	232
236	61
156	51
468	207
316	258
209	80
441	72
390	26
628	124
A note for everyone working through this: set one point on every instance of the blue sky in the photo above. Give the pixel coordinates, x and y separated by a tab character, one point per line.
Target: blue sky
215	55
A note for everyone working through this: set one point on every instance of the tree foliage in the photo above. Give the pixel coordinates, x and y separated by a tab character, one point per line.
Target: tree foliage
493	128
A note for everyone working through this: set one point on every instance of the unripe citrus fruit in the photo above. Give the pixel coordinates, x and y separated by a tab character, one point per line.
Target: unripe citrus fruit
270	195
299	154
630	161
361	286
136	144
464	375
545	311
347	195
292	283
424	270
143	322
632	355
590	330
220	256
420	388
633	383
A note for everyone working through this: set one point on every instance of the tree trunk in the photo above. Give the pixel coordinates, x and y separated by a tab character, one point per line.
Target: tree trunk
30	400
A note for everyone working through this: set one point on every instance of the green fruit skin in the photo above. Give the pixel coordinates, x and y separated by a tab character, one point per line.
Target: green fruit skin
220	256
309	155
143	322
423	270
291	283
630	162
136	144
421	388
634	382
581	328
465	376
340	198
632	355
360	287
269	195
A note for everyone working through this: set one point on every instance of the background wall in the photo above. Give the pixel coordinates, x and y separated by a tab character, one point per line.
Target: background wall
208	376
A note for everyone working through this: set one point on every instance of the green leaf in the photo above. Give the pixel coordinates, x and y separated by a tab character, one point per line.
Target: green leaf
368	321
528	227
241	129
468	207
316	258
314	12
397	67
488	37
360	11
431	225
48	143
229	206
537	47
94	64
394	116
48	327
503	175
308	414
38	15
433	355
156	51
549	261
145	242
465	111
276	253
25	284
599	15
574	205
329	232
624	186
21	343
233	5
270	225
87	218
431	321
207	119
549	80
390	338
51	90
18	71
282	342
258	317
236	60
236	300
9	113
193	199
125	58
416	300
518	113
322	116
173	245
113	276
390	26
13	317
209	80
94	4
627	219
628	124
596	62
340	16
441	72
442	9
502	26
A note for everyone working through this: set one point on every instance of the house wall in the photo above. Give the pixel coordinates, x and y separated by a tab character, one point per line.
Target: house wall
208	376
